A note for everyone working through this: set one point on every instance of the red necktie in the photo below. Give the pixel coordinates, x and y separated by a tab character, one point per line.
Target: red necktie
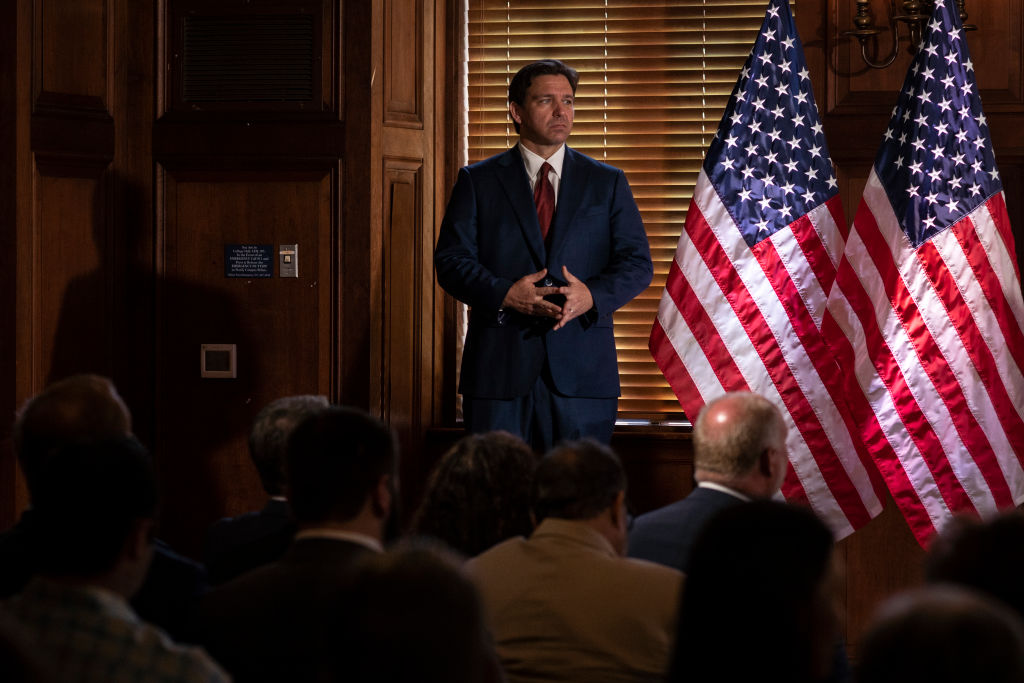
544	198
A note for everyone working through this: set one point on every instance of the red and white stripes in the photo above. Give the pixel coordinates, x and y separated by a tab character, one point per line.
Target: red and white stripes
734	317
932	338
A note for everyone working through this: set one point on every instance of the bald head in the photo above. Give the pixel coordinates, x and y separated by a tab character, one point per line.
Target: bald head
77	409
739	440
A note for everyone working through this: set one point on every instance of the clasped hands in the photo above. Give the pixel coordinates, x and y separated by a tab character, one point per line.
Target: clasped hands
526	297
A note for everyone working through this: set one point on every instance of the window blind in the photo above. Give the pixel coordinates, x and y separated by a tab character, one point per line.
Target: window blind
654	80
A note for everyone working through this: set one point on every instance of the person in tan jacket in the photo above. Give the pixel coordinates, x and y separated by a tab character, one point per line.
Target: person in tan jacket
565	604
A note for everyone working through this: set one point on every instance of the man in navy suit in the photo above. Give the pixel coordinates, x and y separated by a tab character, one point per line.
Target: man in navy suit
234	545
544	244
739	454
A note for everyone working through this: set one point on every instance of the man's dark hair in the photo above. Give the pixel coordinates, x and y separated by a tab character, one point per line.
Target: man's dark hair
756	576
74	409
335	459
88	498
577	480
412	614
520	83
942	634
479	493
268	439
986	556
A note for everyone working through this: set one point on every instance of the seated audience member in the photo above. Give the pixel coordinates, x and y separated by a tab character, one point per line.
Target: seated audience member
95	509
760	599
235	545
413	615
739	455
77	409
479	493
564	604
269	624
19	658
942	634
986	556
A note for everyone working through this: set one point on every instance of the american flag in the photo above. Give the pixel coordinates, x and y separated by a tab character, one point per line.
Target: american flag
746	293
926	308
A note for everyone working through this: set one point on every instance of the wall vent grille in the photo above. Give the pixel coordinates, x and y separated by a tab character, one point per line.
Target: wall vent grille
263	58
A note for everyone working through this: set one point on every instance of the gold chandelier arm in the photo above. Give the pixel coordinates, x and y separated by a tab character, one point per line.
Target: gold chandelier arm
866	34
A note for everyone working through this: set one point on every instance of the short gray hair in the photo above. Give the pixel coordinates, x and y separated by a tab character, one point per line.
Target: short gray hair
268	438
733	448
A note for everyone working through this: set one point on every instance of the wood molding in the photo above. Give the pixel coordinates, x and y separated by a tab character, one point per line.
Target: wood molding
404	63
402	290
292	145
72	59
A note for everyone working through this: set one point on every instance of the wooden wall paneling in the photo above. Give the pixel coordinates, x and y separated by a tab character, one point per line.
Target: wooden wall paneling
132	107
58	76
8	256
405	63
658	464
73	55
407	246
882	559
853	87
996	43
15	252
73	238
361	315
859	99
73	277
281	327
246	170
447	102
1011	171
403	295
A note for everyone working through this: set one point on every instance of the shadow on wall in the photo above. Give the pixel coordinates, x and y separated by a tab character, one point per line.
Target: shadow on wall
144	329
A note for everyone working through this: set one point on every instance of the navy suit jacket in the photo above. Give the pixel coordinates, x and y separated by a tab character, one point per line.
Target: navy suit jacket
490	237
275	622
666	535
234	545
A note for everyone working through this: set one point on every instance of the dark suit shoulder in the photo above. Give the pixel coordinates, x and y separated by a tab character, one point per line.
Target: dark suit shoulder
269	624
235	545
307	563
505	158
666	535
584	160
17	564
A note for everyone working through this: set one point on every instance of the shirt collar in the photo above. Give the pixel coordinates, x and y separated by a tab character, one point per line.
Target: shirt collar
724	489
341	535
534	161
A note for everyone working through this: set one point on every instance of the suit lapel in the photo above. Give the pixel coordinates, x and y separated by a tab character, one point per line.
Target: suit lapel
570	194
512	175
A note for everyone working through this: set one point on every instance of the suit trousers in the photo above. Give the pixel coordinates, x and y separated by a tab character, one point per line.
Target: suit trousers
543	417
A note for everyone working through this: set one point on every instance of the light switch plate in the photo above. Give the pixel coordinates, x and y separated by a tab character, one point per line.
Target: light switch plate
218	361
288	260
